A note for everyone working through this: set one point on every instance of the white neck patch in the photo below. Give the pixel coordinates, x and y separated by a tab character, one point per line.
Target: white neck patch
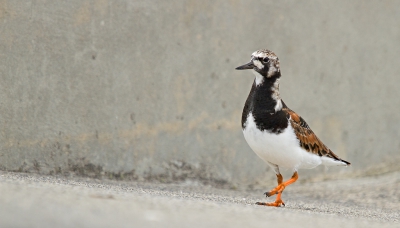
278	105
259	78
275	96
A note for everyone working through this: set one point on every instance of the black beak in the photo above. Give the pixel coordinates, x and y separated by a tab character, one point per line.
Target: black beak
246	66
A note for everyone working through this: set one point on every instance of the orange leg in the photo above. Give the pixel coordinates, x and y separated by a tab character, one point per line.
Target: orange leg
278	190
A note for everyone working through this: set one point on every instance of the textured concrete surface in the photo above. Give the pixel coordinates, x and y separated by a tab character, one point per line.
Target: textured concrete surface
147	90
29	200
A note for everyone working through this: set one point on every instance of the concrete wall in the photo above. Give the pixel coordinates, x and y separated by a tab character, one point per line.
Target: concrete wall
147	89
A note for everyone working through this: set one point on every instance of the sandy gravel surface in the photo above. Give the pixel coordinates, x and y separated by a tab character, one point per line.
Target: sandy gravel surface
30	200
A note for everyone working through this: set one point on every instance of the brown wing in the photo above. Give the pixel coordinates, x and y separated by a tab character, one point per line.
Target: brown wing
308	140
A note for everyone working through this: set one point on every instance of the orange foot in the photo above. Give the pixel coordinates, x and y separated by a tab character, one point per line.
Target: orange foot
278	190
278	202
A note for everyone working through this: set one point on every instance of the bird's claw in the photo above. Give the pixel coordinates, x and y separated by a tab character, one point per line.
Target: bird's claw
269	194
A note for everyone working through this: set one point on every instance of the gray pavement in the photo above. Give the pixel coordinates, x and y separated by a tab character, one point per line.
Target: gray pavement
31	200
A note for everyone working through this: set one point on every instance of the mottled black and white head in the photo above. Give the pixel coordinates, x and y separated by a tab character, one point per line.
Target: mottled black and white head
264	63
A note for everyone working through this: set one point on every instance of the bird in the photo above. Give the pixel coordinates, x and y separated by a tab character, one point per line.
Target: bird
278	135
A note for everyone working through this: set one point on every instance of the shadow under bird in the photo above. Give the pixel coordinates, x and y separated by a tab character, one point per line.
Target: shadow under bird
278	135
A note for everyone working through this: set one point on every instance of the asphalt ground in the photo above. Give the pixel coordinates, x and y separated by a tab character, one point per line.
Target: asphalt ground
32	200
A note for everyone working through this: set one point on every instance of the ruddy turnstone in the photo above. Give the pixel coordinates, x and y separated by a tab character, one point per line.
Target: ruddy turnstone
278	135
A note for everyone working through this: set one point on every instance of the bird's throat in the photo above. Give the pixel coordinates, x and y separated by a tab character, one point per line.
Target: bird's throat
269	88
259	78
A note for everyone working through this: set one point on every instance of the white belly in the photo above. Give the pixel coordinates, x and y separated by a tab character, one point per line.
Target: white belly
280	149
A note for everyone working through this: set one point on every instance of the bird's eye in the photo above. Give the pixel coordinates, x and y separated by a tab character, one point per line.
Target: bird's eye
265	59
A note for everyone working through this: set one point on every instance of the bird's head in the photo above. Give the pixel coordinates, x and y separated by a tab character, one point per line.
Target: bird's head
263	62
